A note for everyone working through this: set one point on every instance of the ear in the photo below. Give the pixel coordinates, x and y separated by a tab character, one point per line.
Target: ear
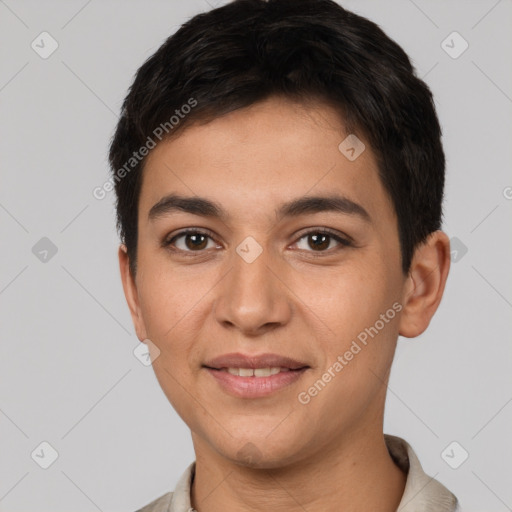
131	293
425	284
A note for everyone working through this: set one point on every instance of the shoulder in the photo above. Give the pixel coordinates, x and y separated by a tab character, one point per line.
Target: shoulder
422	492
161	504
175	501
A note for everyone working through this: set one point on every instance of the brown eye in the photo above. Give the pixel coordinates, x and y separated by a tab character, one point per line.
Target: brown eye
321	241
196	241
190	241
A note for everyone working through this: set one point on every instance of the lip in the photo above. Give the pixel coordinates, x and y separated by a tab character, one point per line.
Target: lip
255	387
238	360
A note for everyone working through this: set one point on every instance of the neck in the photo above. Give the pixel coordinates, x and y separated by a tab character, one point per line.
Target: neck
358	475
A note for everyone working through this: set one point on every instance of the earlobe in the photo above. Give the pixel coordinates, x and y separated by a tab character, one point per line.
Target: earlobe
425	284
131	293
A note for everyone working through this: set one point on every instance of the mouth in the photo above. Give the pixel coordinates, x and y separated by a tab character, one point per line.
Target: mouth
256	372
261	365
254	376
256	381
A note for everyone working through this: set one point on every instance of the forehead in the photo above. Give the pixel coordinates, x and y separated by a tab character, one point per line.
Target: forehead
269	153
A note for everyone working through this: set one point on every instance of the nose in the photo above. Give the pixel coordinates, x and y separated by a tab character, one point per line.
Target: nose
253	297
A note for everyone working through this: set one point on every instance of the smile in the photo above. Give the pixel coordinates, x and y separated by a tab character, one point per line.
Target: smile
255	383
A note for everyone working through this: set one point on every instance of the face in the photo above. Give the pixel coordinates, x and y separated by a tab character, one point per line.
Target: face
267	269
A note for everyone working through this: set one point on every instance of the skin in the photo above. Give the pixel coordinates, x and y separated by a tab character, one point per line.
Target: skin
331	451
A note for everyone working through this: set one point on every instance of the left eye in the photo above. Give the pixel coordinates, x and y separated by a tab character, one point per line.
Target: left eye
319	241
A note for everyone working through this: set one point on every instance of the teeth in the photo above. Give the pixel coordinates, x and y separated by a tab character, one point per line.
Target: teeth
258	372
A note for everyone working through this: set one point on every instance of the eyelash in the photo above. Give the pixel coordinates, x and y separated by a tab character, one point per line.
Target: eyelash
344	242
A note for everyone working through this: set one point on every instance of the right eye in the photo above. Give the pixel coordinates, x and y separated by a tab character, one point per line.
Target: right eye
190	240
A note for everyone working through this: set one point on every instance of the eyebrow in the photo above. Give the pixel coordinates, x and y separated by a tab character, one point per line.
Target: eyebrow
301	206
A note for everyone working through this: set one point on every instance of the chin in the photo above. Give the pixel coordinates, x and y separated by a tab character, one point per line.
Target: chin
262	455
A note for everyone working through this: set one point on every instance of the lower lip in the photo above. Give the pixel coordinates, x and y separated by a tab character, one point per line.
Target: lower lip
254	387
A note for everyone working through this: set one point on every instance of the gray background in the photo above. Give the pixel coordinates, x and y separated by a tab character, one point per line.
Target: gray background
68	373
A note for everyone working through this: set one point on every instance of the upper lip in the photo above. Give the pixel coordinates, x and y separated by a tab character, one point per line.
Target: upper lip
237	360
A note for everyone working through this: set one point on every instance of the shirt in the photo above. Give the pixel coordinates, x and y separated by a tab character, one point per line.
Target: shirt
422	493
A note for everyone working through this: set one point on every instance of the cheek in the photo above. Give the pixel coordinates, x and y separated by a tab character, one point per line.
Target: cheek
357	356
359	308
350	300
167	309
170	313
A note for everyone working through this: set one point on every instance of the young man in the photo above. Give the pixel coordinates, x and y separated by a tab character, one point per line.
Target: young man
279	177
